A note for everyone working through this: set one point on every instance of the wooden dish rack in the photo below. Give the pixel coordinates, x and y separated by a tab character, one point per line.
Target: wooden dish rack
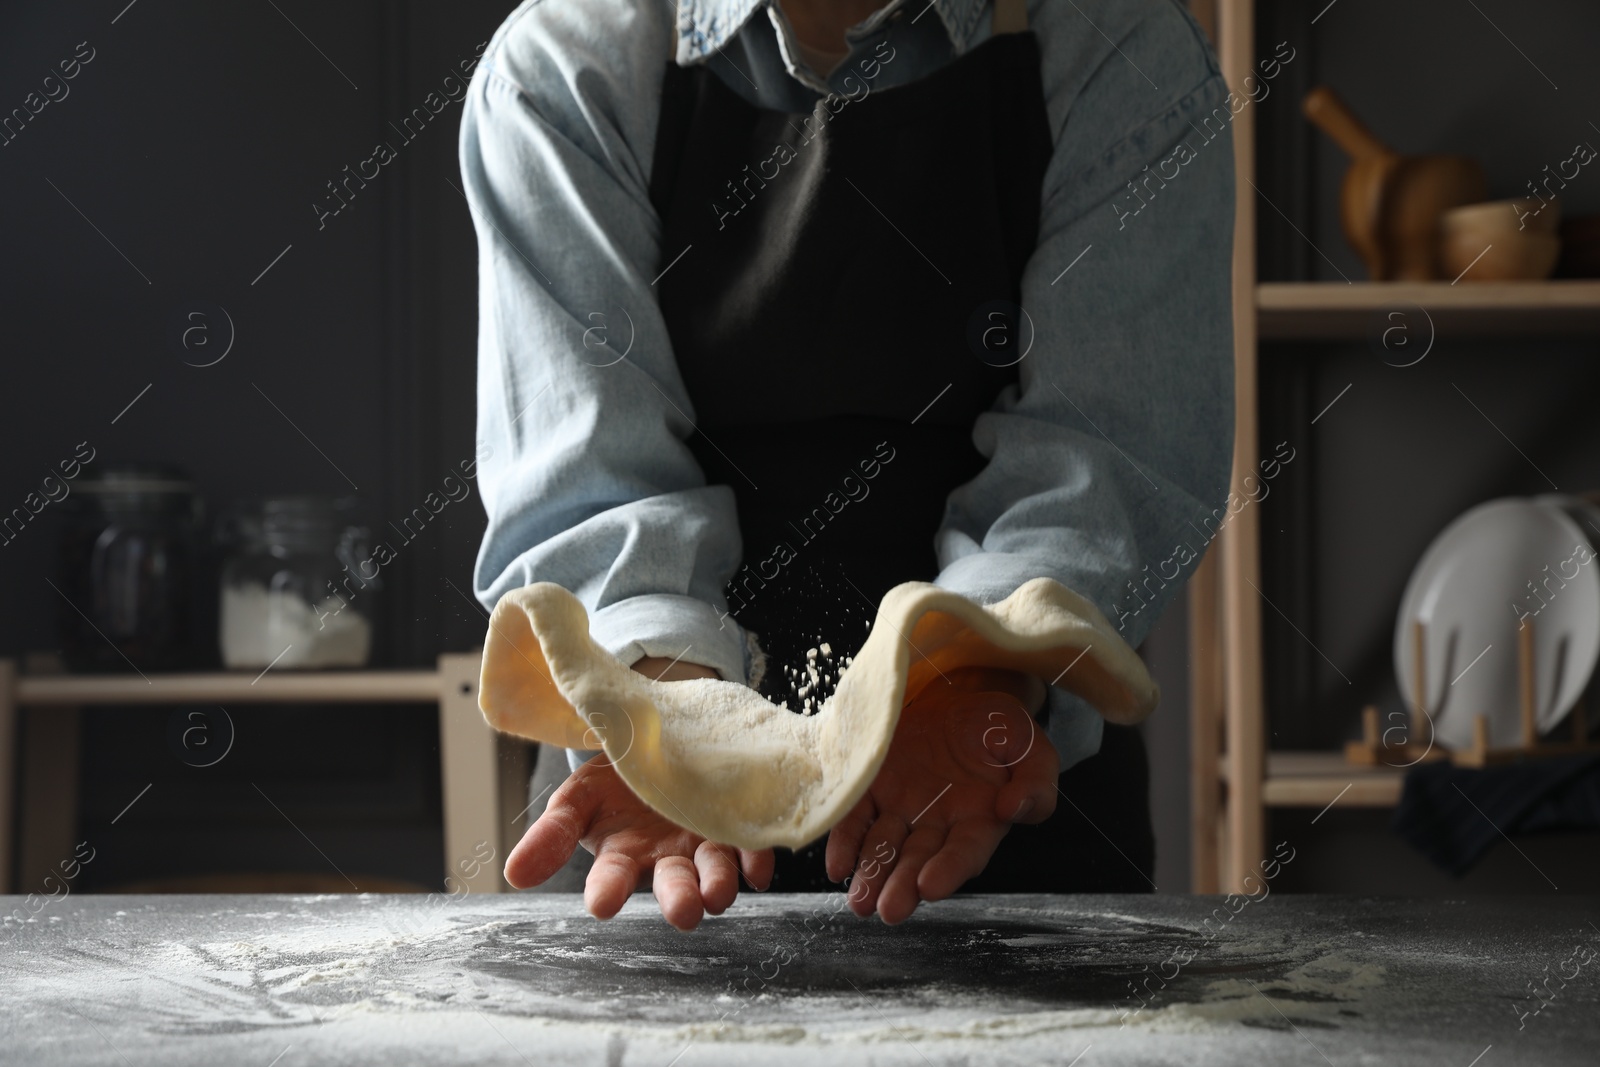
1418	745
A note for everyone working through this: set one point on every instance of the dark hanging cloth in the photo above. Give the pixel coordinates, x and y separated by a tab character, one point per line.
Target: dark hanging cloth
1453	815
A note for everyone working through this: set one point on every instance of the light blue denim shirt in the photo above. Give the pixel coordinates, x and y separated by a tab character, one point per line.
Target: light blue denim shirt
1110	454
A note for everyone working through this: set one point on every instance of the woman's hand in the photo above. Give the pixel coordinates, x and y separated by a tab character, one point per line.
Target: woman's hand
962	767
632	844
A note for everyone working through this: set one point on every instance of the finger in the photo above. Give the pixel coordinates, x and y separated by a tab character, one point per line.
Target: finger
879	852
965	853
899	898
677	888
612	879
554	836
757	867
844	840
719	876
1030	795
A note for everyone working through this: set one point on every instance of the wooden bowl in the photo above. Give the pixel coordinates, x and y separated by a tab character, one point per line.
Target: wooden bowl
1495	217
1390	206
1422	190
1498	257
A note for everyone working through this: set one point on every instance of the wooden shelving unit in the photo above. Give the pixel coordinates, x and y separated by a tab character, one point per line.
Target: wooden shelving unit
484	775
1317	779
1292	311
1234	778
353	687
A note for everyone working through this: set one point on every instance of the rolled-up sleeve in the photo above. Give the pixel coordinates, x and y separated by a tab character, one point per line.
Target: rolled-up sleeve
1117	442
582	414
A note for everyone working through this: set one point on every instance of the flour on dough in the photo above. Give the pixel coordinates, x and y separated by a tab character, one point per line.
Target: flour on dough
717	758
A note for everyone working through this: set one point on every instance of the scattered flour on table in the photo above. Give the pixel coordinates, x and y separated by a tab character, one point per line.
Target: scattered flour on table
1319	989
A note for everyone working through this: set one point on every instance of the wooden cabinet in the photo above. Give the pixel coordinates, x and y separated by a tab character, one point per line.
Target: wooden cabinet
1234	777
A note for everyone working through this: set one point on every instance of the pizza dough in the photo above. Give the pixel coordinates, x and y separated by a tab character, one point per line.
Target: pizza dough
717	758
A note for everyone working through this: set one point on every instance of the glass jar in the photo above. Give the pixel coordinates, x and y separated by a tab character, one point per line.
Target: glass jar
296	590
126	562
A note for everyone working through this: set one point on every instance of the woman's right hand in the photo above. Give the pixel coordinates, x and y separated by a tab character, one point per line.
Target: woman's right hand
633	846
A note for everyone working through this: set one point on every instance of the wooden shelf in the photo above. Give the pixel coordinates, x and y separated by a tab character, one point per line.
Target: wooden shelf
350	687
1334	310
1314	779
483	775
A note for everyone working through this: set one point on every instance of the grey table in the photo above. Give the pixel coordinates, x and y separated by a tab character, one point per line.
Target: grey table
289	980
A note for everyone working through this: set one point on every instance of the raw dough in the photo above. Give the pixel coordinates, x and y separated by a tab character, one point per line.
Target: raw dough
717	758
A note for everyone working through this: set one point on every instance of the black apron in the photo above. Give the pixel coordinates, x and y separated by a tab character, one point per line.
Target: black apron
841	292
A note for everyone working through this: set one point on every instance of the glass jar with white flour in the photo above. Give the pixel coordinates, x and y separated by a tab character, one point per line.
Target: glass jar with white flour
292	594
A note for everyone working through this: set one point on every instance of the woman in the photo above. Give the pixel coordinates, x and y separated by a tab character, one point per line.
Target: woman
853	295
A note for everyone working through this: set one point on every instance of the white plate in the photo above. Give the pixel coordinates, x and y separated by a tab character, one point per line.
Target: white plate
1580	510
1472	588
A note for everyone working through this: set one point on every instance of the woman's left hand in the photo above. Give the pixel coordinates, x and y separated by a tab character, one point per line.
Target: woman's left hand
962	767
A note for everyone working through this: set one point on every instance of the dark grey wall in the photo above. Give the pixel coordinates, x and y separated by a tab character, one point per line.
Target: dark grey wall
196	142
184	157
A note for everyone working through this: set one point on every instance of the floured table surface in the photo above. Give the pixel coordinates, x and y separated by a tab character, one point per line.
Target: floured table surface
531	979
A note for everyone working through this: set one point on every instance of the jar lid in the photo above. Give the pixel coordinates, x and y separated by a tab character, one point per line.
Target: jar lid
137	478
293	520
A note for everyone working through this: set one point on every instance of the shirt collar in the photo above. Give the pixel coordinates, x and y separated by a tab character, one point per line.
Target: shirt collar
705	26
